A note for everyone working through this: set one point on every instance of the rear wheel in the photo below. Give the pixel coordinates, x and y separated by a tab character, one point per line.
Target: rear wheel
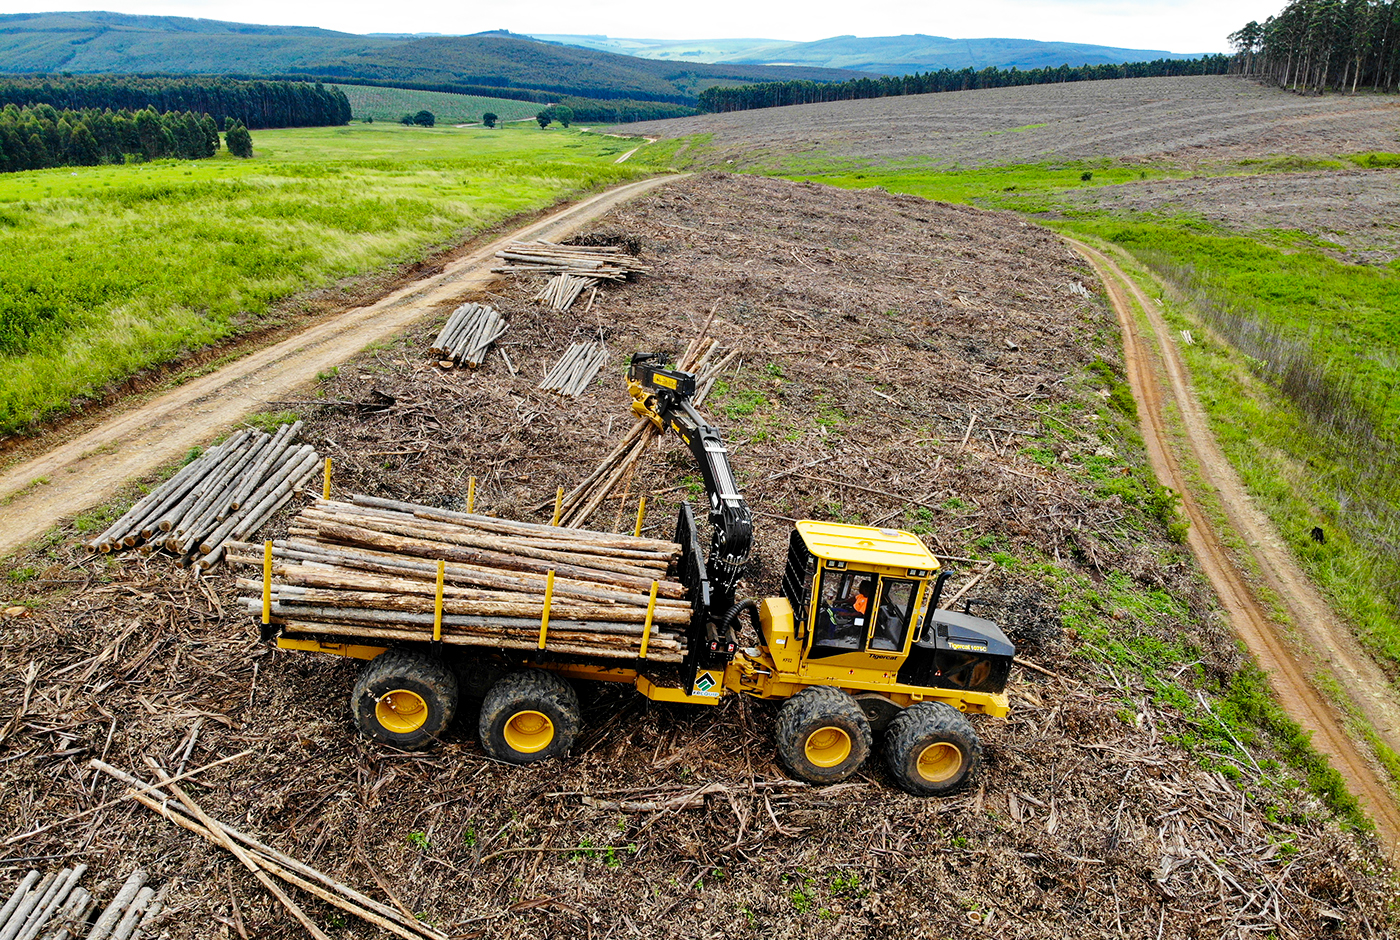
823	736
404	698
932	749
529	716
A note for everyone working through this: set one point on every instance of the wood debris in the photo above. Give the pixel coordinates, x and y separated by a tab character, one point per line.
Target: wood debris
562	290
601	262
468	334
369	569
575	369
227	492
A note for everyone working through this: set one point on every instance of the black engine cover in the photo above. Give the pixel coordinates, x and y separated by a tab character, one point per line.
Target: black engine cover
959	651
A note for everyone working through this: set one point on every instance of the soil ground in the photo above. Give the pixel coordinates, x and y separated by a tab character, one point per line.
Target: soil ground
1187	120
876	328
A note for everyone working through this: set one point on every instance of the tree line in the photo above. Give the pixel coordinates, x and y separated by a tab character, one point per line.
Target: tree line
777	94
254	104
35	138
1316	45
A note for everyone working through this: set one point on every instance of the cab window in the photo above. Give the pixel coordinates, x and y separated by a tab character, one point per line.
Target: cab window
892	618
844	608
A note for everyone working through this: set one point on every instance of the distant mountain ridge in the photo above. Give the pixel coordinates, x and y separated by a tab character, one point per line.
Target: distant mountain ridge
887	55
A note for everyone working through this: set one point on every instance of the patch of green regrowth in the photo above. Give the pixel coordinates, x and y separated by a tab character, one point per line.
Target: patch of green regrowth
1375	160
269	421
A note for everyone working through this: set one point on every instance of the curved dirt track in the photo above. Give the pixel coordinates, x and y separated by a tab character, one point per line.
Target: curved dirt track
89	469
1327	643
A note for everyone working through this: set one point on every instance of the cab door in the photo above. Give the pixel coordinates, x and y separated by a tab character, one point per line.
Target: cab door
874	640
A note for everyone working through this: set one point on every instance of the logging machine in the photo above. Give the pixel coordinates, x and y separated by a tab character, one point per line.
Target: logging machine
855	646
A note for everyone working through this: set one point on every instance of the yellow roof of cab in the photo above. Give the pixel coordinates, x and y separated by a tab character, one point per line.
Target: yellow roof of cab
864	545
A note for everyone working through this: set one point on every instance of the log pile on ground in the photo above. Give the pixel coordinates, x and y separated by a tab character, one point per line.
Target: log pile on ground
601	262
468	334
575	369
56	906
704	357
227	492
562	290
369	569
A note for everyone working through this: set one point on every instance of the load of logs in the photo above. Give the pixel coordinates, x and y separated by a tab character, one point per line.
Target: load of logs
384	571
59	907
575	369
602	262
227	492
706	359
468	334
562	290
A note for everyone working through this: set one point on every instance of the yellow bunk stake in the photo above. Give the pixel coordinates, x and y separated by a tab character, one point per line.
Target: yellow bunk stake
326	487
558	506
267	581
437	605
548	599
471	493
651	611
641	514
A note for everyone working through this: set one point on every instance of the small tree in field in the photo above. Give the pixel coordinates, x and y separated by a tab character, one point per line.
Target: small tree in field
545	117
490	118
565	114
425	118
238	140
406	120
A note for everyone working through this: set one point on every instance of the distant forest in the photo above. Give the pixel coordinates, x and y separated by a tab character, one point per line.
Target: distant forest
39	137
777	94
1316	45
254	104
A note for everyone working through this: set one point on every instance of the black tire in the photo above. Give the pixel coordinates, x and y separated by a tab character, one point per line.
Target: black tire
932	749
823	736
404	698
529	716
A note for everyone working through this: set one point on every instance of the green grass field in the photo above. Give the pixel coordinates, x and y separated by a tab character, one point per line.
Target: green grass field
108	270
390	104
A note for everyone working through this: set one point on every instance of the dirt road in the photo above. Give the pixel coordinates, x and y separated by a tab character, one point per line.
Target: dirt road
1324	642
91	468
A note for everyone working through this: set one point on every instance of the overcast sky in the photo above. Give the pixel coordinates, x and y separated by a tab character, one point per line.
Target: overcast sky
1173	25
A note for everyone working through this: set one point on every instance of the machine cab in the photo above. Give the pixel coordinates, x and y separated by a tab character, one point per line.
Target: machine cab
856	594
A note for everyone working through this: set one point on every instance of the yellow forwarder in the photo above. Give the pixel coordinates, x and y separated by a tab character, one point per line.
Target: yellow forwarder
855	645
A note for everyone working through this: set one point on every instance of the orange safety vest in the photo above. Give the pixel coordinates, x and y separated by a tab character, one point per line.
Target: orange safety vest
861	603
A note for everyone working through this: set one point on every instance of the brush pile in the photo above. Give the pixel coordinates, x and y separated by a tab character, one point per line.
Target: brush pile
468	333
58	906
600	262
368	569
575	369
226	493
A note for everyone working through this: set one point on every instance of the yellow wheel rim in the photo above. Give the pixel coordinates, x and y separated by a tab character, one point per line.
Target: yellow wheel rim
940	762
401	711
827	747
529	732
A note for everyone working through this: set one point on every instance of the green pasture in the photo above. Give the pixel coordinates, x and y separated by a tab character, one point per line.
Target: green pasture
390	104
108	270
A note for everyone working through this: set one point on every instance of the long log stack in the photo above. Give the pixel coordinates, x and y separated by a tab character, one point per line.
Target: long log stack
575	369
707	360
468	334
56	905
227	492
368	569
603	262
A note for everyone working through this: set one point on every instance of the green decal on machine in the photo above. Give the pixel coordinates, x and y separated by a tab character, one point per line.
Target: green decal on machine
707	684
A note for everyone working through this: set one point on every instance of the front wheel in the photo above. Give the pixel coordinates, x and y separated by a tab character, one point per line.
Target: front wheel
932	749
823	736
529	716
404	698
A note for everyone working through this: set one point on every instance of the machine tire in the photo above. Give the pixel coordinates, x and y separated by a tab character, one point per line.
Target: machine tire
823	736
404	698
932	749
529	716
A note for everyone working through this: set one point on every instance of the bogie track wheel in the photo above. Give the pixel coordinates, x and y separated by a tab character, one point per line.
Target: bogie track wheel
932	749
404	698
823	736
529	716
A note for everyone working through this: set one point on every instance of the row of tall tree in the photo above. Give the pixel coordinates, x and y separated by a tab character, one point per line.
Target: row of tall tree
40	137
777	94
254	104
1317	45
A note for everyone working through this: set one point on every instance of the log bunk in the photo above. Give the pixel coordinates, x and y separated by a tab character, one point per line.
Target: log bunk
226	493
384	571
468	334
577	368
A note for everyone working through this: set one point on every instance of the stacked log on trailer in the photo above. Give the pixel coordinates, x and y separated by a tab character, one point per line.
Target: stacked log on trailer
468	334
369	569
56	906
704	357
575	369
228	492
